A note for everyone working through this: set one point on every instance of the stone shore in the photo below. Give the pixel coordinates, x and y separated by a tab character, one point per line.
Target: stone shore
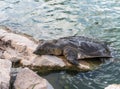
16	50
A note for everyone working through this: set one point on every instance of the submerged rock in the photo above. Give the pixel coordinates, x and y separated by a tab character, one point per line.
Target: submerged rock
113	86
20	48
27	79
5	67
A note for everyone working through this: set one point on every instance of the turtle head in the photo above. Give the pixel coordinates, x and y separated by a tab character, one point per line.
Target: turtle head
47	47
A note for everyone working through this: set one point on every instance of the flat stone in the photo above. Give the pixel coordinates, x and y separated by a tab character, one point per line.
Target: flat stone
113	86
27	79
5	68
48	60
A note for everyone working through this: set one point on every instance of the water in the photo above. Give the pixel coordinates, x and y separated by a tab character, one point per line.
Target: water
49	19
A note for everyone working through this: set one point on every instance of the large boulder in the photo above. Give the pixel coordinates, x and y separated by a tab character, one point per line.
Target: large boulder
20	47
5	68
27	79
113	86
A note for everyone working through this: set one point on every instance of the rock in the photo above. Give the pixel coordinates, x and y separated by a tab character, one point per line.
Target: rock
113	86
14	72
19	42
5	68
47	60
22	47
27	79
11	54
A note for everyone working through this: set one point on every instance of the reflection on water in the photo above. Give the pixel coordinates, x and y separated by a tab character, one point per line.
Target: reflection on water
49	19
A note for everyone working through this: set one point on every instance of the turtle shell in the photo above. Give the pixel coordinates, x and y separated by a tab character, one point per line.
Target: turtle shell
87	47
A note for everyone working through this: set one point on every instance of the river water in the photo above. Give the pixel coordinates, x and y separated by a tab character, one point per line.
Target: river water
49	19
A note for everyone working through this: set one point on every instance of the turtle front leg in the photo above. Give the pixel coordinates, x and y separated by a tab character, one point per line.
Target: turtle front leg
71	55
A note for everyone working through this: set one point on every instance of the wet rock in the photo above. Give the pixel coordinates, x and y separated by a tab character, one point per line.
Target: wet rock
5	67
113	86
27	79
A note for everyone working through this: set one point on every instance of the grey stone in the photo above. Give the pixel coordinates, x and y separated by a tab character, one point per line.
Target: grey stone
27	79
5	68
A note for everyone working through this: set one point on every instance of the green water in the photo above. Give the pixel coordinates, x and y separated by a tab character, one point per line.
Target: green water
49	19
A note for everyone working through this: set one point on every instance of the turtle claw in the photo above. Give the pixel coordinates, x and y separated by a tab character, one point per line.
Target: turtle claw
71	55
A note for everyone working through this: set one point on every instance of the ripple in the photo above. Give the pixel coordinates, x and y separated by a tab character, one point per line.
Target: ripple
49	19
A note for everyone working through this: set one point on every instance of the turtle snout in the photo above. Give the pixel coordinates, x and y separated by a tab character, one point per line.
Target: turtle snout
36	52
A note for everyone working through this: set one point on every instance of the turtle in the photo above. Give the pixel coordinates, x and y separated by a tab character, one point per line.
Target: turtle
74	48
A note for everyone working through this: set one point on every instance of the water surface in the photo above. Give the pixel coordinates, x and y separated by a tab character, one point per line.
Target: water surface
49	19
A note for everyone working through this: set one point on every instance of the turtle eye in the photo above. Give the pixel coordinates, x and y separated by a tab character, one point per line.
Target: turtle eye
41	41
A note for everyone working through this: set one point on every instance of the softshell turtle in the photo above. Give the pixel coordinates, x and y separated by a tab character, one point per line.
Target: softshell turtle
74	48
